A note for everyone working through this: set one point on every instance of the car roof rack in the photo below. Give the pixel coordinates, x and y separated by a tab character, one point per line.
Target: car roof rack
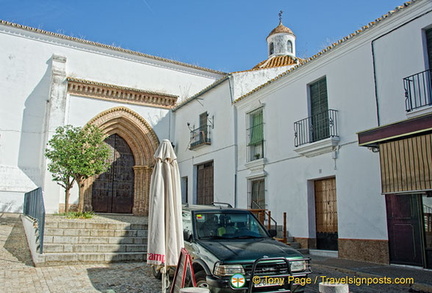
218	203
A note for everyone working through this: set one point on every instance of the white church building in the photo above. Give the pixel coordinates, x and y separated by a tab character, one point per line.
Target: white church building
340	142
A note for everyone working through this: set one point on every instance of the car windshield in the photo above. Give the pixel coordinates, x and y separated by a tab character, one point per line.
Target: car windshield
223	225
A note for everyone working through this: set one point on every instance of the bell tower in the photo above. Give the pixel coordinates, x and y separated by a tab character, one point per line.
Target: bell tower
281	40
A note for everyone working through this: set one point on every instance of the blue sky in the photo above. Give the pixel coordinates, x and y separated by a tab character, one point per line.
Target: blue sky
226	35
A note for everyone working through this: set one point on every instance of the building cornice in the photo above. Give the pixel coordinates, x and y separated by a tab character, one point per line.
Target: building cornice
109	92
23	28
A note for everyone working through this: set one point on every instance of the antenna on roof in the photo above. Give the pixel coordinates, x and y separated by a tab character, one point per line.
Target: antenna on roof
280	16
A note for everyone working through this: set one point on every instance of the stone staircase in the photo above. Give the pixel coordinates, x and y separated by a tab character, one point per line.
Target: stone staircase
102	239
289	241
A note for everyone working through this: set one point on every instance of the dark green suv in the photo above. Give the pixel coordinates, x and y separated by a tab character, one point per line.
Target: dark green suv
230	247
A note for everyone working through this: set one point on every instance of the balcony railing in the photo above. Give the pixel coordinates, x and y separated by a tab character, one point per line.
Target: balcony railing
418	90
314	128
200	136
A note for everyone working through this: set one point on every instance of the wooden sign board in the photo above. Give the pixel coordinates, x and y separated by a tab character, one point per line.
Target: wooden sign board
184	272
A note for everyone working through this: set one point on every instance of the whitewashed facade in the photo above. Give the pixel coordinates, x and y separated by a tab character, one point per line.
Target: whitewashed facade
364	75
34	68
245	138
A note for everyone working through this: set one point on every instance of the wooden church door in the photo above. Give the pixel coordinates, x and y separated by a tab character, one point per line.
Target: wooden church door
113	191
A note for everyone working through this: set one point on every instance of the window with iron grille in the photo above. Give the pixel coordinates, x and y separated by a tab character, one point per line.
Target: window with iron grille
201	135
256	135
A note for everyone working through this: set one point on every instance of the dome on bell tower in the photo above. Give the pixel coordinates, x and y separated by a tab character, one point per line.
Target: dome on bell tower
281	48
281	29
281	40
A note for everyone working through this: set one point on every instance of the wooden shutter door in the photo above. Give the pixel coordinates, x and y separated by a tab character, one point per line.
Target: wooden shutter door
319	110
205	184
326	214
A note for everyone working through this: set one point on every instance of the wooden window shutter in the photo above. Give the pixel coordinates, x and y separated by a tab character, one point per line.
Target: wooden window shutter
256	130
406	164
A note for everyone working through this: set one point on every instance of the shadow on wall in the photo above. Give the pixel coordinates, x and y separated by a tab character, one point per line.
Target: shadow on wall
31	150
161	123
11	206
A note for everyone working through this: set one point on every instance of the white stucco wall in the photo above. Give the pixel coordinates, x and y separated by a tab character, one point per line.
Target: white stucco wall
217	103
348	69
399	54
25	81
246	81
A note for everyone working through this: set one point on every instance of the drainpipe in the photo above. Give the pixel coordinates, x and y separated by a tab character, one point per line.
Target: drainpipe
230	81
374	65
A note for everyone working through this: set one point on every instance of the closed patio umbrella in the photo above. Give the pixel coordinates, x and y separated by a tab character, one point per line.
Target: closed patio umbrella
165	230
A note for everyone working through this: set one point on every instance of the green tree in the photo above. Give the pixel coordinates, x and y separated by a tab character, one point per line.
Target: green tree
76	154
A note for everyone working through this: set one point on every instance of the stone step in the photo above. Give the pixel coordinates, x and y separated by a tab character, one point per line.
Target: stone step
102	240
95	232
53	259
294	245
100	248
93	225
94	240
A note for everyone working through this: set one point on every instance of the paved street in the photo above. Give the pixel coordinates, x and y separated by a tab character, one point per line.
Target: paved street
369	272
320	272
18	275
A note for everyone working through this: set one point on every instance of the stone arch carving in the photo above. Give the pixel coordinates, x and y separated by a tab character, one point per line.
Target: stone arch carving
143	142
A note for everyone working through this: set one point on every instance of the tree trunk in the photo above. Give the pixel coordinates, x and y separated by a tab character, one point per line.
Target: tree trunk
81	195
67	195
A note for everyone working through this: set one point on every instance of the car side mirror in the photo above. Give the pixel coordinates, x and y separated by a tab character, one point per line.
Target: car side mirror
187	235
272	232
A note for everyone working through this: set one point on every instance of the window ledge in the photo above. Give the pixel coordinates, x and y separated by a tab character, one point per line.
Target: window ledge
319	147
256	168
419	112
198	145
256	163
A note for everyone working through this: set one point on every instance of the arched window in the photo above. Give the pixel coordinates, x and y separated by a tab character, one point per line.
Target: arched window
290	47
271	49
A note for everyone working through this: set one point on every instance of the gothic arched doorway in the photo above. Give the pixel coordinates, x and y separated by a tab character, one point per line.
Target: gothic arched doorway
113	191
139	141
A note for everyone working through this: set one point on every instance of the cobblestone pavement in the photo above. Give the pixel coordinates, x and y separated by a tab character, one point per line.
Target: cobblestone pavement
18	275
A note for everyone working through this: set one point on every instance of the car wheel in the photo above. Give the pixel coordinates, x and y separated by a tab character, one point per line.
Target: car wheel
200	278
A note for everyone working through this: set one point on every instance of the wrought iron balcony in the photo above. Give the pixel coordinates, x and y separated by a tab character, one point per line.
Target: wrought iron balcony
314	128
418	90
200	136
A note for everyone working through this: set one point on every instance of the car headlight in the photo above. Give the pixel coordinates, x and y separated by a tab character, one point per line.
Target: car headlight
297	265
228	270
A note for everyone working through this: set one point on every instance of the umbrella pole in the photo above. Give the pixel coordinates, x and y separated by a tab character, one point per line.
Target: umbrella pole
165	278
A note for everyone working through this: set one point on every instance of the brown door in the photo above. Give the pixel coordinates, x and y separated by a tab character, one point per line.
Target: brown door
404	229
326	214
113	190
205	184
427	223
